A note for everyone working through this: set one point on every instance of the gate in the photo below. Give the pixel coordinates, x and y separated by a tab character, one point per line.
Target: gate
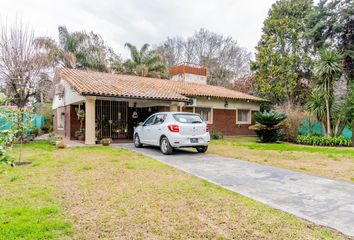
111	119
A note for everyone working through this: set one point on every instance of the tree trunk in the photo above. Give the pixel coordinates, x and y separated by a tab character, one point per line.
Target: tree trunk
328	117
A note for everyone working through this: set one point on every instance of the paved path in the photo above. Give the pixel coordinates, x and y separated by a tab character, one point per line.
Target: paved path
319	200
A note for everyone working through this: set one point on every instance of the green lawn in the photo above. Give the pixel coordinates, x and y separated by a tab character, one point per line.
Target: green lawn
109	193
331	162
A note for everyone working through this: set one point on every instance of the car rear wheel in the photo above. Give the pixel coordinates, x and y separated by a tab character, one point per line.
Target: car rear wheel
165	146
137	142
202	149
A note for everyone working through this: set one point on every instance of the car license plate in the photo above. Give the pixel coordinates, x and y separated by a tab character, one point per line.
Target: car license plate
194	140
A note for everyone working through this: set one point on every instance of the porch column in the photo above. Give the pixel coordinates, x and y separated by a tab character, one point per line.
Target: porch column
90	116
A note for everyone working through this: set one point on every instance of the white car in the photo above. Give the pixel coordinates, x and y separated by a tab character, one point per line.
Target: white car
170	130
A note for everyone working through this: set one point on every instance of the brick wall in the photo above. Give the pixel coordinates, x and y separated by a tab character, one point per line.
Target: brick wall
71	125
224	120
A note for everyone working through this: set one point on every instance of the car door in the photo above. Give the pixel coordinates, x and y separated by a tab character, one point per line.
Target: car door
146	130
156	129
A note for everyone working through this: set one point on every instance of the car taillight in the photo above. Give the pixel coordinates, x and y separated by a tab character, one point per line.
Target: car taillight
207	128
173	128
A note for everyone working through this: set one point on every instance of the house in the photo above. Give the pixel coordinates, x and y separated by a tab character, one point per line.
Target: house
113	104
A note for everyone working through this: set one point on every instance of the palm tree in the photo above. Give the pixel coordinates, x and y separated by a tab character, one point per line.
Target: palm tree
145	63
316	106
328	70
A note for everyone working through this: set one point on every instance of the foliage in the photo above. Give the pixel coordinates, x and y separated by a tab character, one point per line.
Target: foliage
327	70
331	24
81	50
295	115
7	139
225	60
45	110
323	141
145	63
269	126
269	119
216	135
282	64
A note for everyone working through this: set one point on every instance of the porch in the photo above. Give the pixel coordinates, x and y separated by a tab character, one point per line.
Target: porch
116	118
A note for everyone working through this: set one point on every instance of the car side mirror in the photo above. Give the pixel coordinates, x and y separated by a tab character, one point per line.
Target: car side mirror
140	124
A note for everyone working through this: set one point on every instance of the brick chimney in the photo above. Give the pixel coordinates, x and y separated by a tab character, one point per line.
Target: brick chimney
187	72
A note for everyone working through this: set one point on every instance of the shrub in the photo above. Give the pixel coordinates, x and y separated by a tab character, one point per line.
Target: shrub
269	126
216	135
323	141
296	116
7	139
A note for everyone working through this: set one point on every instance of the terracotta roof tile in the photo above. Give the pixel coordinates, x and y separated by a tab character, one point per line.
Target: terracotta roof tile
107	84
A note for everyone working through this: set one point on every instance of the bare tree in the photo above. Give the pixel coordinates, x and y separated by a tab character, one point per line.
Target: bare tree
224	58
22	65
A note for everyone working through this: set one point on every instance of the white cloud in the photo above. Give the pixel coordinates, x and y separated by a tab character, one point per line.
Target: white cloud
139	21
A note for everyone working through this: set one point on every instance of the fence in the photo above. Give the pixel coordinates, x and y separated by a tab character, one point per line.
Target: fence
317	129
37	121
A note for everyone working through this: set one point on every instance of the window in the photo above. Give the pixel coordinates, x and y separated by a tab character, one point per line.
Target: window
243	116
159	119
205	113
149	121
60	118
187	118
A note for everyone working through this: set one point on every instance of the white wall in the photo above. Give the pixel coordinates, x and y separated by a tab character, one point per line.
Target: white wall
70	96
188	77
219	103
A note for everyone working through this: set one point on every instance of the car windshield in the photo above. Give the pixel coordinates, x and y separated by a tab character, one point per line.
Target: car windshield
187	118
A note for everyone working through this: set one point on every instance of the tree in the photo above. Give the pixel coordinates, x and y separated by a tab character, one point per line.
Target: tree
225	60
349	109
81	50
331	24
327	70
22	65
145	63
317	106
282	65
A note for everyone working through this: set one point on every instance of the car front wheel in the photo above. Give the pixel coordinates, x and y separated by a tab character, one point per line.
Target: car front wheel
202	149
165	146
137	142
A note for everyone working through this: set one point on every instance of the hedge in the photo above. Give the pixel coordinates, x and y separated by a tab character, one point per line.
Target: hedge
323	141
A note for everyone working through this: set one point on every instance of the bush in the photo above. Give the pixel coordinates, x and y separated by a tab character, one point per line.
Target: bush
296	116
323	141
269	126
216	135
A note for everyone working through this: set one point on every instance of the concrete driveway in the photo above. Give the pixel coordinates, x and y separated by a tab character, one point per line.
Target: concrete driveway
319	200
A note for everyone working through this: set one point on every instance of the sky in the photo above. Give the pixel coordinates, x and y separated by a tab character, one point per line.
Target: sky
142	21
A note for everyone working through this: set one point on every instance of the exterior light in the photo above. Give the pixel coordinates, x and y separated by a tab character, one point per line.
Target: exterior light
226	104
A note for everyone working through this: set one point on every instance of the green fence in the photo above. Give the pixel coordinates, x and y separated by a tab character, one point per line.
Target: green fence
37	121
317	129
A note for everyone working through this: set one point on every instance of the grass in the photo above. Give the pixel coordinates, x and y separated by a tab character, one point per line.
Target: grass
109	193
330	162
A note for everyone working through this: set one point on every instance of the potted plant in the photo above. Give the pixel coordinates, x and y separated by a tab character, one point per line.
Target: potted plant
80	134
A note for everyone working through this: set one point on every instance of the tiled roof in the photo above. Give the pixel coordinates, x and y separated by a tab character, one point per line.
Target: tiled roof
130	86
